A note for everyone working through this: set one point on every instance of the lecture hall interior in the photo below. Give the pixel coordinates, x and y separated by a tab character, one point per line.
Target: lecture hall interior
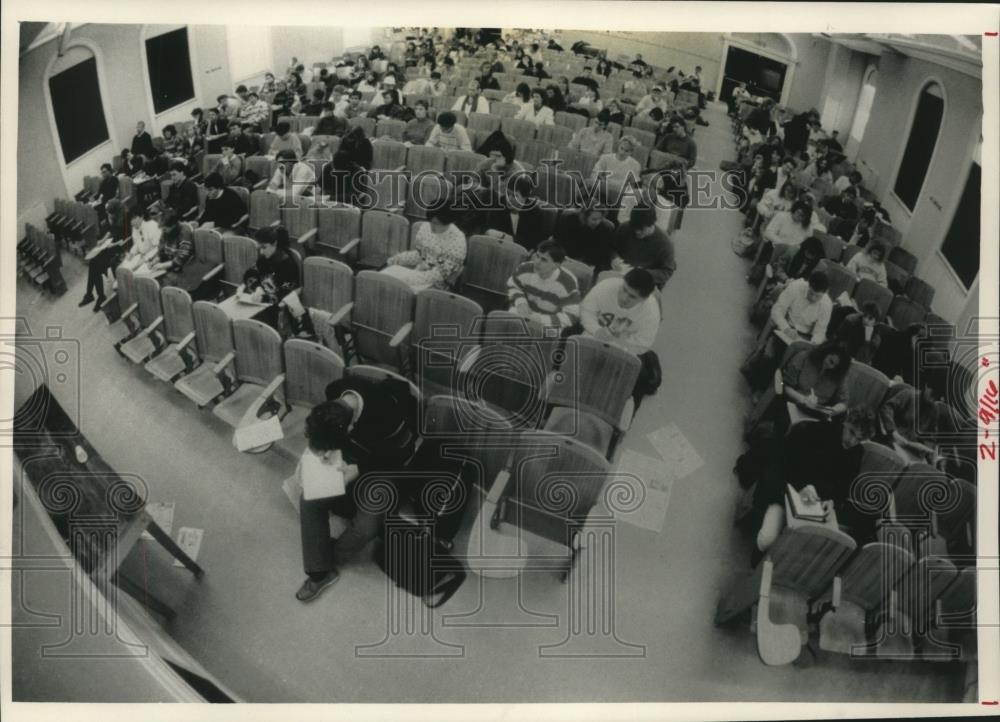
675	327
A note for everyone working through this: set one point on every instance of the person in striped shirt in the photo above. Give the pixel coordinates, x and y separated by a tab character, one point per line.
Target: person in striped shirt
542	290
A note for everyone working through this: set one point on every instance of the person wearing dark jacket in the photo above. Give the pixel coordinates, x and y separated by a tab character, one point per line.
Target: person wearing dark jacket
223	206
521	215
797	132
371	424
858	333
677	142
274	275
142	143
820	460
587	235
358	148
330	124
108	253
638	243
183	195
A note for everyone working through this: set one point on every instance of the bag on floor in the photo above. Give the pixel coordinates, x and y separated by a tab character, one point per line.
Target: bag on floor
744	243
410	556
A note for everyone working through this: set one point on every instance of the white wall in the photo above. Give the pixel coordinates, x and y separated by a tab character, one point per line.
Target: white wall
900	81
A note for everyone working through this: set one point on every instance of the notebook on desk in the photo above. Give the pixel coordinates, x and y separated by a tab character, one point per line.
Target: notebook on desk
805	510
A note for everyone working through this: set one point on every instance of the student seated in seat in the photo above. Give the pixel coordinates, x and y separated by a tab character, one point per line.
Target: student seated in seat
542	290
230	166
870	264
820	461
223	206
595	139
587	235
620	166
176	252
292	178
272	278
448	135
370	426
418	129
623	312
911	419
859	334
285	140
639	243
537	112
438	254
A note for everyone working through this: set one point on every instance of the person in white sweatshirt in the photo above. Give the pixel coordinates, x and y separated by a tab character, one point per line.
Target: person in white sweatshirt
536	111
870	264
618	166
624	313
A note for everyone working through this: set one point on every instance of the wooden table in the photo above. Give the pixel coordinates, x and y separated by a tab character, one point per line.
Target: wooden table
101	511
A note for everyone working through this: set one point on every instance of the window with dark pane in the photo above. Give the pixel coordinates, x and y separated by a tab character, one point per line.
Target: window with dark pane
961	245
920	146
78	110
169	62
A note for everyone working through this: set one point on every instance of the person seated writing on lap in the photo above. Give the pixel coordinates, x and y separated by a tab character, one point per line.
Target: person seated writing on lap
623	312
542	290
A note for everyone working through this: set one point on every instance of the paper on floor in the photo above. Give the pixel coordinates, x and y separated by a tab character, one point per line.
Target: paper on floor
163	514
674	448
189	540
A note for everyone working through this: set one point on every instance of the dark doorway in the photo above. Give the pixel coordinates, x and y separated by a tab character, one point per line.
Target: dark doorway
763	76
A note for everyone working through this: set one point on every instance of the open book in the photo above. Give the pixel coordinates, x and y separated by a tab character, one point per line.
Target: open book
805	510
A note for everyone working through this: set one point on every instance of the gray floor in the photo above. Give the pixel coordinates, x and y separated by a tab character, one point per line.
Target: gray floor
242	622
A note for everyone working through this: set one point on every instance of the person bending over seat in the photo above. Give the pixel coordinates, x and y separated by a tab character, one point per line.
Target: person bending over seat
371	425
820	461
273	277
639	243
109	253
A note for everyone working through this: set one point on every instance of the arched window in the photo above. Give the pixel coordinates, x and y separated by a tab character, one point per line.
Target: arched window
77	104
862	112
961	245
920	145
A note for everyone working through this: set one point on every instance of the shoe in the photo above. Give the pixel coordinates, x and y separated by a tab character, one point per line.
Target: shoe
700	121
97	306
311	589
755	557
86	299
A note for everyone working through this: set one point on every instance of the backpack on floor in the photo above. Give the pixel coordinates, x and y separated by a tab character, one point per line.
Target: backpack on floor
409	555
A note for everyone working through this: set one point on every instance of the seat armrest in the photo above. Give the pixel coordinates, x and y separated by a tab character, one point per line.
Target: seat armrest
628	411
185	342
307	236
242	220
260	184
350	246
779	383
401	335
190	213
214	272
340	314
251	415
767	572
130	310
151	327
837	590
499	485
223	363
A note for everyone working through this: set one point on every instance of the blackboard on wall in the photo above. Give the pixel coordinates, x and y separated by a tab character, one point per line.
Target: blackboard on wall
78	109
169	61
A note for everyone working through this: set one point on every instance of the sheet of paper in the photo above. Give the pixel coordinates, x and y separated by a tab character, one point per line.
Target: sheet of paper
294	303
674	448
263	432
656	480
292	487
249	300
163	514
189	540
321	479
